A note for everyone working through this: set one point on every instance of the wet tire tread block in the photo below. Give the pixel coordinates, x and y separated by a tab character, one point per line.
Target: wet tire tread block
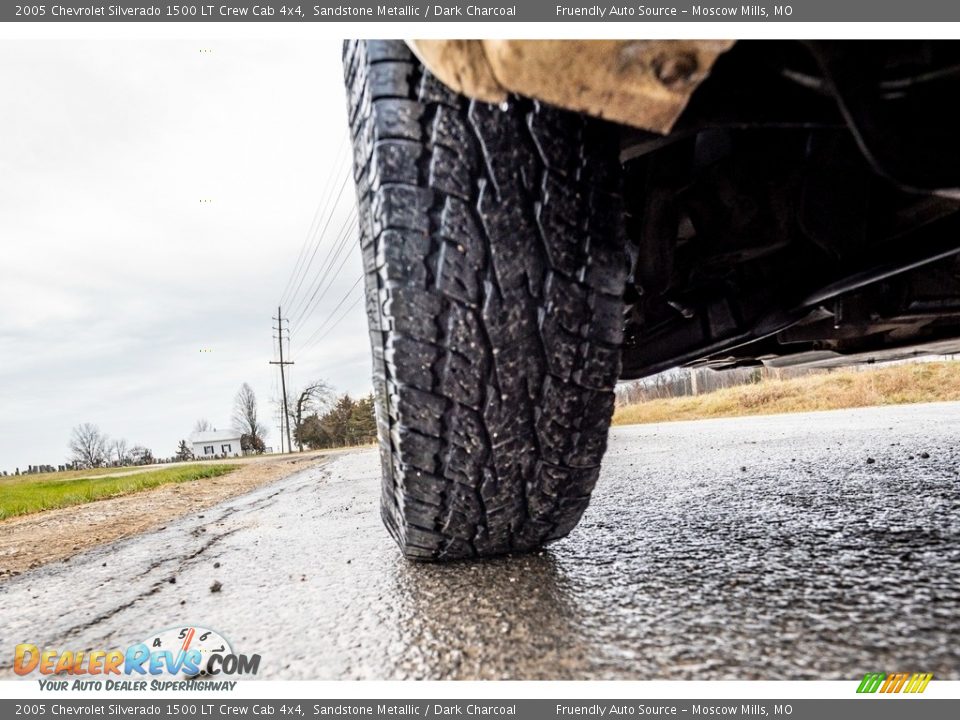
495	263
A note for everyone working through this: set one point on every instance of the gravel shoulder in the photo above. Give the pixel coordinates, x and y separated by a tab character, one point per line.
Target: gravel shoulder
29	541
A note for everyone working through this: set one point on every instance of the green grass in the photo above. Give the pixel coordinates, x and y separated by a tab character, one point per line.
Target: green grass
78	474
29	494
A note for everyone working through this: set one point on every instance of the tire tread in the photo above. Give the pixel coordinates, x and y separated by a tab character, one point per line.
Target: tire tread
495	262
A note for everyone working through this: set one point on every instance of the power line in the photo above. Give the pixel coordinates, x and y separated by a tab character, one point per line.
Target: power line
330	315
306	242
322	236
339	320
321	211
326	278
323	272
315	237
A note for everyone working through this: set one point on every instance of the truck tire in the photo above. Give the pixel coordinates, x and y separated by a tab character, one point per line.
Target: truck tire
495	261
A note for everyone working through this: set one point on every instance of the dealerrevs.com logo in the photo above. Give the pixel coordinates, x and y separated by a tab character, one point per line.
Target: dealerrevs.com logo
176	658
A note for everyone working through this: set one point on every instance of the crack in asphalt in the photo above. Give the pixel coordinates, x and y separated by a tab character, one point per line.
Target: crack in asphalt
154	588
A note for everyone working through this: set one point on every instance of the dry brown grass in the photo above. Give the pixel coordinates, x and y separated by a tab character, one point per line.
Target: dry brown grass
892	385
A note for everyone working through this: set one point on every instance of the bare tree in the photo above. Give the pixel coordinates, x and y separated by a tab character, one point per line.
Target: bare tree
245	419
88	446
202	425
140	455
314	399
119	447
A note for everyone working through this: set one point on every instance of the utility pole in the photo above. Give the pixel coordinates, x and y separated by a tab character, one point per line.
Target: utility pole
283	379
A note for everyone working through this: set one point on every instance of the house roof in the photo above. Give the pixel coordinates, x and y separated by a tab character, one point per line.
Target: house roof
208	436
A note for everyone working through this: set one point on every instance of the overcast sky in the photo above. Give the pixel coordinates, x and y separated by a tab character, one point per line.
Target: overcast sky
115	276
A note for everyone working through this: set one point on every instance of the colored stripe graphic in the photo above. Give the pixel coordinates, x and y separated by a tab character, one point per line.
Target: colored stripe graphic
871	682
894	682
918	682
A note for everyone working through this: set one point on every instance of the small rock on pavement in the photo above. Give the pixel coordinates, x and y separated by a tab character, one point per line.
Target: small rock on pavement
925	455
216	587
870	461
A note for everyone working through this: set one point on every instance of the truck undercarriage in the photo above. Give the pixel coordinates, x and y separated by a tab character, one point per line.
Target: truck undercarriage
804	205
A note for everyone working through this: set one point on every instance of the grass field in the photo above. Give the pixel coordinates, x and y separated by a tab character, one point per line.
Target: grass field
76	474
892	385
32	493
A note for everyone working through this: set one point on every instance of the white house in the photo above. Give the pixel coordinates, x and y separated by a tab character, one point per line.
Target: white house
216	443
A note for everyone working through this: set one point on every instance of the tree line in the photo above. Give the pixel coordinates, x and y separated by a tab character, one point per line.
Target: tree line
347	422
318	418
91	448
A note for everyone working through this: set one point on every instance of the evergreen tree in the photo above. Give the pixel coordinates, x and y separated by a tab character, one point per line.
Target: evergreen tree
184	452
348	422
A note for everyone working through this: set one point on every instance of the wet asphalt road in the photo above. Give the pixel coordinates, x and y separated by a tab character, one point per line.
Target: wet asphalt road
765	548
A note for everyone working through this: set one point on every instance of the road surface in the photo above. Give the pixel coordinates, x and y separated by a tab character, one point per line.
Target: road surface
817	546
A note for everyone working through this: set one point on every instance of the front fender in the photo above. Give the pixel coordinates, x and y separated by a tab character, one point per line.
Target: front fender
643	83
